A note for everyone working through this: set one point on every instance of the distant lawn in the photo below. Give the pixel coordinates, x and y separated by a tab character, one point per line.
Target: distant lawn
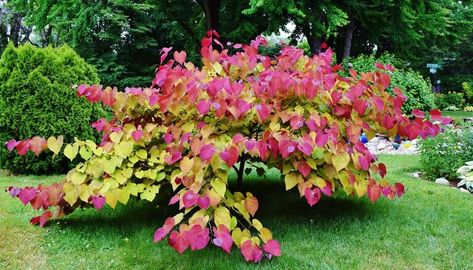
457	116
431	227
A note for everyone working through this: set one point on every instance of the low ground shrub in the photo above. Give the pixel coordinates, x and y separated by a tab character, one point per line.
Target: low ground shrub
443	155
450	99
37	97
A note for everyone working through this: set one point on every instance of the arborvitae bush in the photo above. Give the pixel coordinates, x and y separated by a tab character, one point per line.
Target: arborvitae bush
37	97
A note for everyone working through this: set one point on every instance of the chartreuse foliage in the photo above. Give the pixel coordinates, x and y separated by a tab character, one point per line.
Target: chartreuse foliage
187	130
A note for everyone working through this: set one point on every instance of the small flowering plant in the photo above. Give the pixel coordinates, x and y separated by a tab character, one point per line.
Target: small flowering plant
193	125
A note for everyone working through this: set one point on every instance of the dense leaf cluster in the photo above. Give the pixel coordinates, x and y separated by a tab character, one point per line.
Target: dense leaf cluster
417	89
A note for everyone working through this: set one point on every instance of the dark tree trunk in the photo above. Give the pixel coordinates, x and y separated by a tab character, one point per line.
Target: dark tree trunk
211	9
240	172
314	43
3	37
348	39
15	29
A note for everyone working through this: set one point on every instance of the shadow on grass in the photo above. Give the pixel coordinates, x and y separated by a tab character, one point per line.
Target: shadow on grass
278	207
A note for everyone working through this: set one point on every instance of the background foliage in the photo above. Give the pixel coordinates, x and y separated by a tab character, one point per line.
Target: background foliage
37	97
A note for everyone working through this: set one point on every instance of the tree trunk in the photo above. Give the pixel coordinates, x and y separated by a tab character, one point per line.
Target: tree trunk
211	9
15	29
314	43
348	39
241	172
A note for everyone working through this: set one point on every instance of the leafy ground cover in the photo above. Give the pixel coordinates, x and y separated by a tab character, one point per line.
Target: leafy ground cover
457	116
428	228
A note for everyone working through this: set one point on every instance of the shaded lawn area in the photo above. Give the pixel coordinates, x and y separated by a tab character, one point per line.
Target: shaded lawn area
458	116
430	227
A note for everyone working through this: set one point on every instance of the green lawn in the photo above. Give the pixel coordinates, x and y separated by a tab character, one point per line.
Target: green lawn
431	227
457	116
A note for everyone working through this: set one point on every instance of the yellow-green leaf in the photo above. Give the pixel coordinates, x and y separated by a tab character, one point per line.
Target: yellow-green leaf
111	197
70	151
340	160
292	180
124	149
222	216
220	187
55	145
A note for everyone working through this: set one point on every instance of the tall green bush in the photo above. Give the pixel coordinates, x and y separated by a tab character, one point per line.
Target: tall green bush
37	97
417	89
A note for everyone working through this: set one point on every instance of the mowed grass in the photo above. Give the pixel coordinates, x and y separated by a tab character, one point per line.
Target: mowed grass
429	228
458	116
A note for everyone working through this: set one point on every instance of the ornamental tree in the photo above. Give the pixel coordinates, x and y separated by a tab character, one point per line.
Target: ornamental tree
193	125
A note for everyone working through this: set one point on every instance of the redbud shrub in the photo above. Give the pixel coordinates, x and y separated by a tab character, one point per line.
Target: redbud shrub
193	125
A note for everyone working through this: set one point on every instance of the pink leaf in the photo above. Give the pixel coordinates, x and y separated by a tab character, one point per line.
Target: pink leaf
14	191
190	199
250	144
207	152
23	146
168	138
272	247
81	90
327	190
38	144
321	139
230	156
44	218
174	199
418	113
197	237
382	169
303	168
27	194
374	191
137	134
243	107
312	196
263	111
180	57
160	233
287	147
222	238
203	106
108	97
164	53
360	106
399	189
436	115
178	242
153	99
204	202
98	202
11	144
305	148
251	252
